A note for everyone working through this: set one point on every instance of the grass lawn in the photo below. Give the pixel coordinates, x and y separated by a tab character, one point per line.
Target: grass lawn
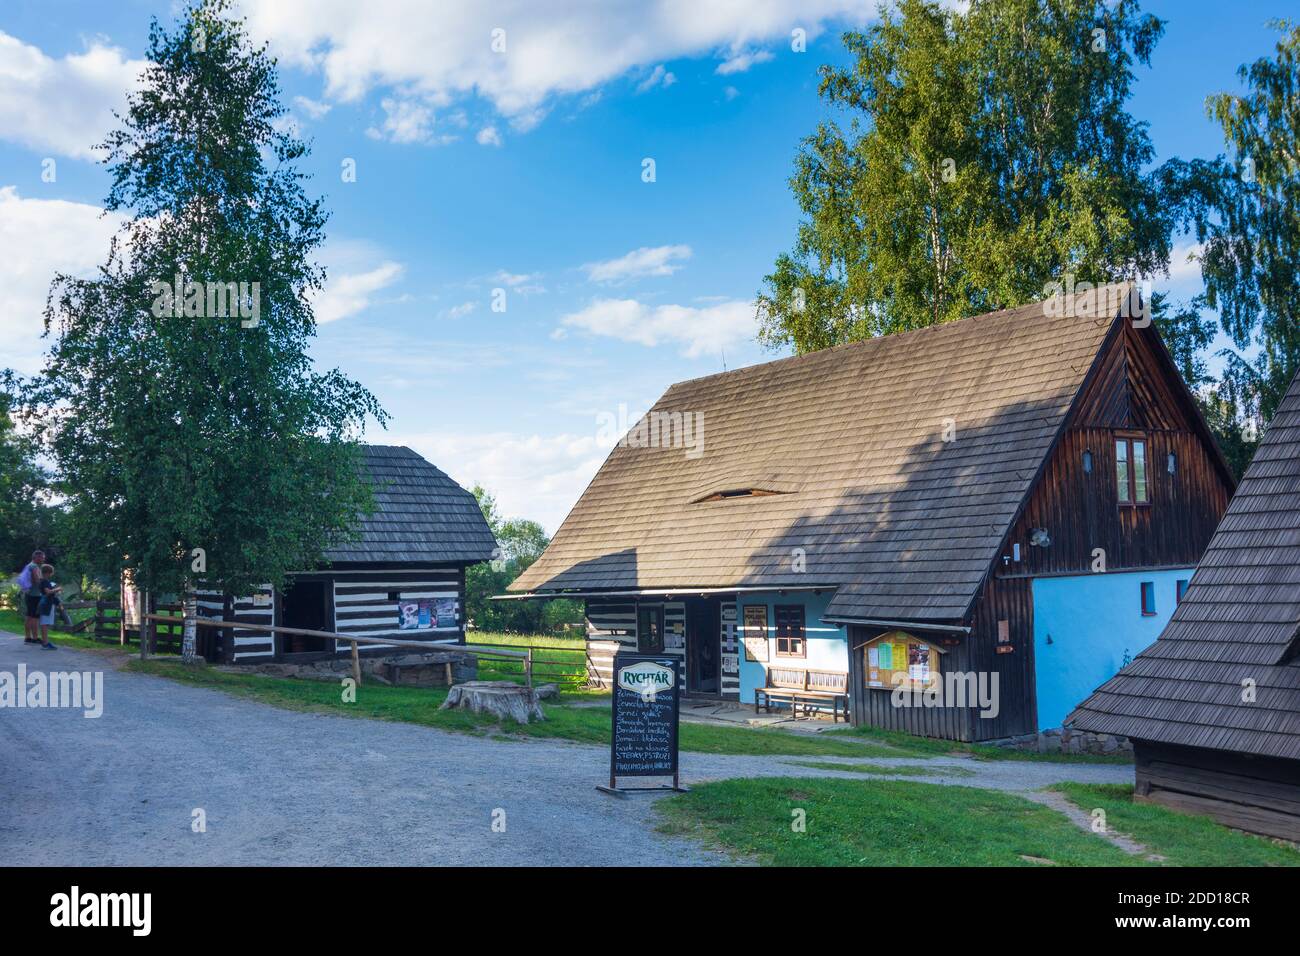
1183	839
882	823
556	659
12	621
572	718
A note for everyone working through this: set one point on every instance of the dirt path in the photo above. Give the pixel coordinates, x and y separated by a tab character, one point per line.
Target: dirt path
282	787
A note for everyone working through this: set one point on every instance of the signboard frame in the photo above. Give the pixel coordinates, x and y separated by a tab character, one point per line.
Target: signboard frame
623	699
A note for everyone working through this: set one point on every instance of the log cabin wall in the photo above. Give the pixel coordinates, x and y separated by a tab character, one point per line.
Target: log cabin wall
365	602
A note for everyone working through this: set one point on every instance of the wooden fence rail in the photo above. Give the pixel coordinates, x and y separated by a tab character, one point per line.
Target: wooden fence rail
353	639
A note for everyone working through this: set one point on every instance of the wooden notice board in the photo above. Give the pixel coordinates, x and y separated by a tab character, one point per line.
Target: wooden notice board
900	659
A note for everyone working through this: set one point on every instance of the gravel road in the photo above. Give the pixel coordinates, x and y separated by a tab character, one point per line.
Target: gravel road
279	787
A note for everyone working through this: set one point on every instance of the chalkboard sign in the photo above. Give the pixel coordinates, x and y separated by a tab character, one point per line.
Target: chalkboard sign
647	689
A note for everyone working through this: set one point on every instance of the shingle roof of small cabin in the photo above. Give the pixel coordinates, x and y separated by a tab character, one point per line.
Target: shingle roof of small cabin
420	514
1239	620
903	523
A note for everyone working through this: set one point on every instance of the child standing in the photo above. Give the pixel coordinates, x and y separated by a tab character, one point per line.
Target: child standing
49	604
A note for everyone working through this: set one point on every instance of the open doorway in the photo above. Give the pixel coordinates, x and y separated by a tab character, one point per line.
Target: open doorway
307	603
704	647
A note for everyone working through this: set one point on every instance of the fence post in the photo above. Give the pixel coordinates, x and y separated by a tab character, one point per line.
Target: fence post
528	668
356	664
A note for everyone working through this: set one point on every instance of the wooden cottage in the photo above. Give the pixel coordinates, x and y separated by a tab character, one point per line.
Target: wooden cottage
404	577
1213	706
961	529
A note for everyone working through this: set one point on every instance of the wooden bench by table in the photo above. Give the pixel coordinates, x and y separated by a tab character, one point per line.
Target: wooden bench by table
798	687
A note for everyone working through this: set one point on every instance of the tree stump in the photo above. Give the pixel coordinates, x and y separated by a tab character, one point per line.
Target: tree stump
499	698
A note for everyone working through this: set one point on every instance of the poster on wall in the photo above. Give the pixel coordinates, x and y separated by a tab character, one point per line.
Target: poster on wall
754	632
424	614
445	612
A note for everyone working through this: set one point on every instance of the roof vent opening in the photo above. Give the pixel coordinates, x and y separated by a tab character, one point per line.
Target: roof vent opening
739	493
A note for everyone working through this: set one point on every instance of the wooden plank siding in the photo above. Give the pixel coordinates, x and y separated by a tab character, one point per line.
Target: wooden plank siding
1259	794
1130	392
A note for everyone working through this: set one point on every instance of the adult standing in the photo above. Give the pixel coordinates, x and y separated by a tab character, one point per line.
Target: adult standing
30	583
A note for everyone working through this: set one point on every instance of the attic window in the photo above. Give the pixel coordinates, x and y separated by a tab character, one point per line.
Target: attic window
739	493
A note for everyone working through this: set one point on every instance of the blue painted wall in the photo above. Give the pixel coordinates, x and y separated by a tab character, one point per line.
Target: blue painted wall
828	647
1092	620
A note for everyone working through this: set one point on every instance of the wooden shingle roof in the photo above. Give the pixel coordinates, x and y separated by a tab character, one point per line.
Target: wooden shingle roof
1238	622
869	496
420	514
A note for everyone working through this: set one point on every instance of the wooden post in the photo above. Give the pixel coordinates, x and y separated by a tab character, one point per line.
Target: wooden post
227	633
356	664
145	624
528	668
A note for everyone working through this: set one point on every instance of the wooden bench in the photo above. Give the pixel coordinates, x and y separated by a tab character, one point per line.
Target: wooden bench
809	689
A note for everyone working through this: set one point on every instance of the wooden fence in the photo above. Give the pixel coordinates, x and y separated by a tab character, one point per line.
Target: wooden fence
152	620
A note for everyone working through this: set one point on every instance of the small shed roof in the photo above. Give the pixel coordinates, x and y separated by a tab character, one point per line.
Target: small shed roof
420	514
890	468
1239	622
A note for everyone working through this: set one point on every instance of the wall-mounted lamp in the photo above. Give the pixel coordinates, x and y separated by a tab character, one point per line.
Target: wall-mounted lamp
1172	463
1087	462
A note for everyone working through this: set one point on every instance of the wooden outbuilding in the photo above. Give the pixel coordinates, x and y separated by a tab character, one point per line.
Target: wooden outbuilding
1213	706
403	578
965	527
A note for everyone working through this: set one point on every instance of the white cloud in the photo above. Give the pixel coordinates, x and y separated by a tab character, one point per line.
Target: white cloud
405	121
699	331
443	50
488	136
39	237
740	62
731	92
646	261
532	476
313	108
460	311
347	294
658	77
525	283
63	106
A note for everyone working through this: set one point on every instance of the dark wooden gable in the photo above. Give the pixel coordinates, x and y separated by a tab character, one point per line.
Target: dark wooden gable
1135	385
1134	389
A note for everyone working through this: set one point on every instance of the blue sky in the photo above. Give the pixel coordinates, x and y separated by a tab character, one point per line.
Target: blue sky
518	171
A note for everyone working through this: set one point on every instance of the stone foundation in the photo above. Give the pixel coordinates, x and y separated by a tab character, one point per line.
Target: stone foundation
1065	740
428	669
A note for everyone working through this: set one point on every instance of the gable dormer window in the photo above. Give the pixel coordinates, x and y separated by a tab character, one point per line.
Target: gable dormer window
1131	478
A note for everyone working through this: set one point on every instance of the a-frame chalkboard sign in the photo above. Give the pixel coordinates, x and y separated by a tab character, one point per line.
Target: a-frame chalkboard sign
643	739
